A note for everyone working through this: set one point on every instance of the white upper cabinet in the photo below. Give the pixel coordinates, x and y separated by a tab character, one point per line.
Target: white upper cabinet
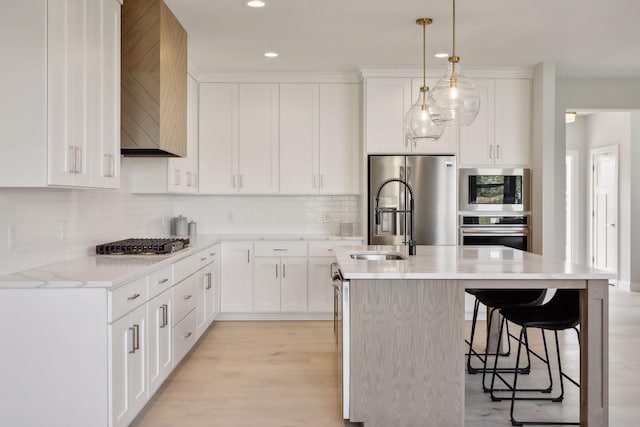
218	145
299	138
61	94
319	138
386	102
238	138
339	138
501	134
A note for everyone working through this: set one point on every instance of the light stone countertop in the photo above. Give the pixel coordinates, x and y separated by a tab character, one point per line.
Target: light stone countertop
462	262
111	271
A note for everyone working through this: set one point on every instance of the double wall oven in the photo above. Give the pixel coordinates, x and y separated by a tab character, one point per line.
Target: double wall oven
494	207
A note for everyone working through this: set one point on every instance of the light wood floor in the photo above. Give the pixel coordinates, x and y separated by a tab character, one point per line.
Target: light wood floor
285	374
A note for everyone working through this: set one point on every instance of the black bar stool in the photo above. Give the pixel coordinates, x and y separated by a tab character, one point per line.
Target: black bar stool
561	312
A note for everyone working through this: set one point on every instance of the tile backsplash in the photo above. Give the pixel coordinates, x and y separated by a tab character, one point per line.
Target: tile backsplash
41	226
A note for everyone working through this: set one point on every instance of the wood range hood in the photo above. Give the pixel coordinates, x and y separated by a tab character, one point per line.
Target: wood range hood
154	81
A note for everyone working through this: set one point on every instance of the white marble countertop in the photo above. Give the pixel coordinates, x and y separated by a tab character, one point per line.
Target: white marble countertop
461	262
111	271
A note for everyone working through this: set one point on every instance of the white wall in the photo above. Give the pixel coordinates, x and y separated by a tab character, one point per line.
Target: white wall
576	140
602	94
53	225
634	179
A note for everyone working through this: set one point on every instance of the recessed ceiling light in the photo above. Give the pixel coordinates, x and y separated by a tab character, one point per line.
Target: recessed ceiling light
441	55
570	117
271	54
256	3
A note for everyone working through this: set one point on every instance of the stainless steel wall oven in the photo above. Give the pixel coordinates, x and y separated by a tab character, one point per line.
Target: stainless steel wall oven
512	231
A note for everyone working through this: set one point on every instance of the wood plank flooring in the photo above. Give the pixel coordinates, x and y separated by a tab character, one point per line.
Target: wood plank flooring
285	374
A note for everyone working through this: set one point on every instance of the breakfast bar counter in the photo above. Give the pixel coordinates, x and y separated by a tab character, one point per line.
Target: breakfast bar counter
403	328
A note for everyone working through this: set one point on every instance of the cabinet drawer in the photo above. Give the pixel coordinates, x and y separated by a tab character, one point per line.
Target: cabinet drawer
184	297
280	249
184	336
195	262
159	281
327	248
126	298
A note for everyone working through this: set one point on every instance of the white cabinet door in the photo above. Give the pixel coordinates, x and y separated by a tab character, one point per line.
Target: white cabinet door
293	284
121	345
205	298
512	121
477	140
237	277
258	139
183	171
160	345
128	373
104	93
386	102
218	138
266	287
339	139
67	88
320	289
299	138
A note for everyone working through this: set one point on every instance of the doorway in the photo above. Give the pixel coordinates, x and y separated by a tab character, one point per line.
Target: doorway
604	208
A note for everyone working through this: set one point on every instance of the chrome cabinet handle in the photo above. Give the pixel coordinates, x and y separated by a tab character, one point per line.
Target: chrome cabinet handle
248	255
112	164
187	297
212	254
136	345
132	297
321	180
71	158
491	151
164	316
276	270
315	181
203	259
79	159
280	250
208	281
233	178
132	349
284	271
241	180
161	281
176	177
195	180
187	335
497	151
107	164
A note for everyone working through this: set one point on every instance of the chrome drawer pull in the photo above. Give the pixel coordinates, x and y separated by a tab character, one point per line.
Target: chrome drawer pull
186	297
136	345
161	281
134	296
280	250
203	259
133	338
188	335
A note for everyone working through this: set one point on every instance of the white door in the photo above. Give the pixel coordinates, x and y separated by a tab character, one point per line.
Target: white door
293	284
121	345
605	208
237	277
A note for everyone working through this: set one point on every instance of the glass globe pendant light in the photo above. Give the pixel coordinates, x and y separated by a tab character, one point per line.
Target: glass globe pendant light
419	125
455	100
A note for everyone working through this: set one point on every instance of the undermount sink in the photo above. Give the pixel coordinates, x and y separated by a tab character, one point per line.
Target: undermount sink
378	256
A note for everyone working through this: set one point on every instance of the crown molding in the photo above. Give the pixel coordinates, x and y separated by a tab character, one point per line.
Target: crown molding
439	71
279	77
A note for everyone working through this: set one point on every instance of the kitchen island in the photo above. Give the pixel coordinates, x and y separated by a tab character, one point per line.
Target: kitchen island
403	328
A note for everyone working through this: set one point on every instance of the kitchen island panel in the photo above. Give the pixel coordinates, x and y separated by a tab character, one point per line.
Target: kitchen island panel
407	348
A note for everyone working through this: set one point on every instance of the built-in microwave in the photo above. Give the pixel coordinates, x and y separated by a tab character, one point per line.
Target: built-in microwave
494	189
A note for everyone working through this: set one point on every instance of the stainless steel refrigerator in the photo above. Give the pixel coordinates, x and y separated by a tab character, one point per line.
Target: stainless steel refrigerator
433	180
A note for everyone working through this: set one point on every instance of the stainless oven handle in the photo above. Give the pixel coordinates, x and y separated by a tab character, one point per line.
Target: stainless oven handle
494	231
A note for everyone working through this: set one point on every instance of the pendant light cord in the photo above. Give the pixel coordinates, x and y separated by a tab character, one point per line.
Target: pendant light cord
424	54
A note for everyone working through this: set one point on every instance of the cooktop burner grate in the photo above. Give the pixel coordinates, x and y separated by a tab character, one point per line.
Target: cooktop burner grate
142	246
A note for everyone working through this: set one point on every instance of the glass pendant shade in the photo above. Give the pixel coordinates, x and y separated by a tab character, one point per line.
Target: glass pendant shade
419	126
454	99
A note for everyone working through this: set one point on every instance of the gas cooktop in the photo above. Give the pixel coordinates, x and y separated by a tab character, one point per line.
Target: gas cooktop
156	246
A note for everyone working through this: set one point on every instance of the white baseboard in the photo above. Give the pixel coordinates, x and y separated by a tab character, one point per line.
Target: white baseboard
273	316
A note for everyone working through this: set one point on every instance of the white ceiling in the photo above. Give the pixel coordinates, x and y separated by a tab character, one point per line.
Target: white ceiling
583	37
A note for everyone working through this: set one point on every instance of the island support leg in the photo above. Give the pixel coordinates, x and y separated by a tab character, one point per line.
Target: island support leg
594	354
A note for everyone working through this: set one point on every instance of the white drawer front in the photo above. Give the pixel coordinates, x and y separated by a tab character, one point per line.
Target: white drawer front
327	248
184	336
195	262
126	298
280	249
185	296
159	281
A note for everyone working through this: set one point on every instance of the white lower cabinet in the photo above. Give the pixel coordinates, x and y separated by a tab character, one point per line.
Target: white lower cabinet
159	342
128	366
184	336
266	289
293	285
206	297
320	289
237	277
280	284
